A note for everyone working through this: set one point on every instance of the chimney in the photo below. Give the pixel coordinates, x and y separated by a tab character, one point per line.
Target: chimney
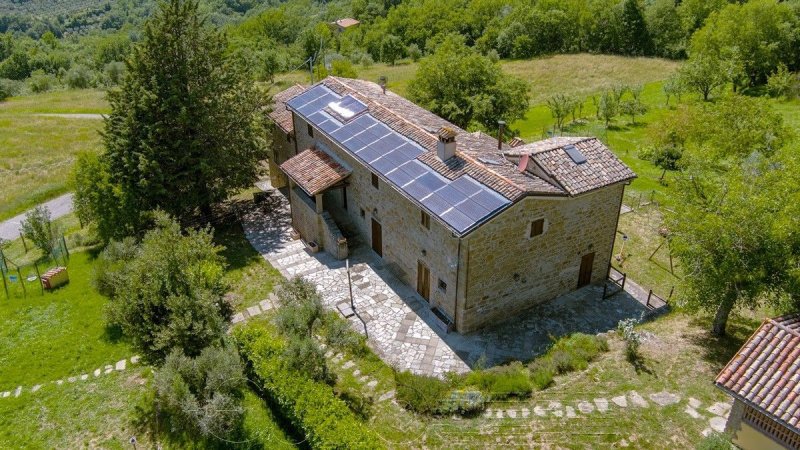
446	147
501	130
382	81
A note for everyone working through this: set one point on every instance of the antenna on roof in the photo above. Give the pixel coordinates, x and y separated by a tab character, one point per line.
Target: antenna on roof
382	81
501	125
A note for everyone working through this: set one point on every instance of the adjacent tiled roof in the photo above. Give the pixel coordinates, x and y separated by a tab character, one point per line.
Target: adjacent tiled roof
601	168
314	170
765	373
279	114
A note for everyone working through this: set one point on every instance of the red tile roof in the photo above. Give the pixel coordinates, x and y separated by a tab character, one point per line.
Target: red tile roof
314	170
346	22
765	373
279	114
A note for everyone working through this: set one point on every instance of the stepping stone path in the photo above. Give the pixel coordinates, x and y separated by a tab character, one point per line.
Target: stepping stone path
585	407
692	412
571	412
120	366
387	396
717	424
602	404
665	398
637	400
620	401
694	403
719	409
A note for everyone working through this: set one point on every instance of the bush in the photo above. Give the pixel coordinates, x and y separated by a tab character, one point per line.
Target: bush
325	420
40	229
113	72
502	382
414	52
202	395
466	402
631	337
79	77
40	82
338	334
343	68
358	402
170	293
421	393
715	441
542	372
781	83
109	271
567	354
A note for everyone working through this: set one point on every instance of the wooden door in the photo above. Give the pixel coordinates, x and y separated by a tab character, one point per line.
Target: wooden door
423	281
585	275
377	237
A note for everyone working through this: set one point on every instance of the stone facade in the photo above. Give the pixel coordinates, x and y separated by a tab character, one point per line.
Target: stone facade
282	149
484	277
509	271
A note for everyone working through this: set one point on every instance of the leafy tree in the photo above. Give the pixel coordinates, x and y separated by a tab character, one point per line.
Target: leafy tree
634	37
170	294
202	395
392	49
16	67
114	72
79	77
466	88
730	226
703	74
414	52
666	29
560	106
41	81
343	68
608	107
39	228
673	87
634	106
185	129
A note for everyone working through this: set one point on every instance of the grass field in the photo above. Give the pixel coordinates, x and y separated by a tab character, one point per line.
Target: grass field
36	151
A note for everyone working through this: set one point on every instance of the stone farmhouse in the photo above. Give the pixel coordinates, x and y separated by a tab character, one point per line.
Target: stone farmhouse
482	229
764	380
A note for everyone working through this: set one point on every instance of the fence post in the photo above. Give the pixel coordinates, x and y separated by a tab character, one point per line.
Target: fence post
66	250
624	278
650	294
39	276
5	286
22	282
671	290
24	244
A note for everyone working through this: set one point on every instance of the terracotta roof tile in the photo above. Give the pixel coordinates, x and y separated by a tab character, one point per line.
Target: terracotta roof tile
314	170
279	114
766	371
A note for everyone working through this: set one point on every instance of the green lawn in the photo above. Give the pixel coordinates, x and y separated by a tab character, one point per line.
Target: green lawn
59	334
37	152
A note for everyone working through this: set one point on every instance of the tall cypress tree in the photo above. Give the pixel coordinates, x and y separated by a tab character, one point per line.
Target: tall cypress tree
634	37
185	129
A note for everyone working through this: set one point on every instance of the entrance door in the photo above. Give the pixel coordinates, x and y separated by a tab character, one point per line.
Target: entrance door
377	237
423	281
585	275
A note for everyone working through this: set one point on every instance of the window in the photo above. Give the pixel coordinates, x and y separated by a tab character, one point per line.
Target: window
363	213
537	227
442	285
289	137
310	131
374	181
425	219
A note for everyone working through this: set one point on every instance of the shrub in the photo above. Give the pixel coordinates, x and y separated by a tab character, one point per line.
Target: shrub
110	269
40	82
414	52
343	68
502	382
631	337
567	354
170	293
202	395
357	401
40	229
79	77
325	420
421	393
542	372
338	334
781	83
304	355
466	402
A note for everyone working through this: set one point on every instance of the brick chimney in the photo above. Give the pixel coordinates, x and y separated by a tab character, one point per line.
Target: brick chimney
446	147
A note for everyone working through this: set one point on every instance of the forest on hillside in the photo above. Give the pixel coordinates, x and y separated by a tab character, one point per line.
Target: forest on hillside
41	49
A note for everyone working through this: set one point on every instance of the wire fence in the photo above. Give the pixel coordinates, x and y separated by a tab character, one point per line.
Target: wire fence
25	279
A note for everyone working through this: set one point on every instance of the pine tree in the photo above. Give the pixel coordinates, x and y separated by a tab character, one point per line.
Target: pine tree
185	129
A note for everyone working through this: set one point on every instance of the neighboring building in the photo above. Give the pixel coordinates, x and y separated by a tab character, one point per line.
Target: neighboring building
481	229
764	381
343	24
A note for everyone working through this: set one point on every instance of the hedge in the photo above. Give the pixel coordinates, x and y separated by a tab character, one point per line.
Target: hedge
312	407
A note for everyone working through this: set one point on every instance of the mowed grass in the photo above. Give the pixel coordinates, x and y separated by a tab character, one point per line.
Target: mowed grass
59	334
36	151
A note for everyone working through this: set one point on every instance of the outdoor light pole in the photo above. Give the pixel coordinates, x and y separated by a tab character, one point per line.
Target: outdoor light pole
350	285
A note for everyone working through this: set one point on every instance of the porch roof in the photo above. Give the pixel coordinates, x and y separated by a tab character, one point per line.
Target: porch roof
314	170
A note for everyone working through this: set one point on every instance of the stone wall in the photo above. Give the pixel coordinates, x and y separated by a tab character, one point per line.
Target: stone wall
304	215
282	149
508	271
333	241
405	240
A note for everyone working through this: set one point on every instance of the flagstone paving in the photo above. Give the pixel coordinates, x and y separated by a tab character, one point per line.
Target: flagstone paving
400	325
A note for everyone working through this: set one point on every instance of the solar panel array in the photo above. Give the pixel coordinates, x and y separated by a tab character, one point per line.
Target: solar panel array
461	203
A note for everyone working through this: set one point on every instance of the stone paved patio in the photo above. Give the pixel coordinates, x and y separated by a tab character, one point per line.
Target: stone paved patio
399	323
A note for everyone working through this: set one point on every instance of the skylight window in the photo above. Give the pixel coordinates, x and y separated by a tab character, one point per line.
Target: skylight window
575	154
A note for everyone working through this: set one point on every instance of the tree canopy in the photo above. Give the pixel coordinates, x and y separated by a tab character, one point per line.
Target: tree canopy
467	88
185	129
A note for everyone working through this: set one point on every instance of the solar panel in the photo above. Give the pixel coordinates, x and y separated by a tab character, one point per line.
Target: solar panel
414	168
472	209
431	180
489	199
575	154
466	184
399	177
436	204
346	108
457	220
411	151
416	190
369	154
383	165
